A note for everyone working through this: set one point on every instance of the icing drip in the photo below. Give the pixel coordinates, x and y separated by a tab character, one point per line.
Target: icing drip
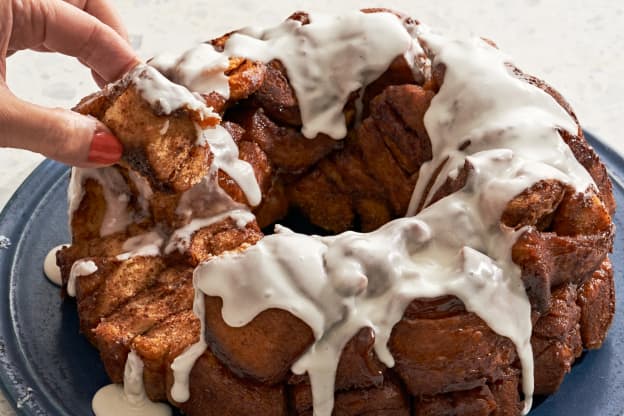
415	56
183	363
79	268
129	399
165	127
50	268
75	192
225	154
202	205
340	284
518	117
143	188
200	69
116	193
326	60
205	199
147	244
181	238
164	95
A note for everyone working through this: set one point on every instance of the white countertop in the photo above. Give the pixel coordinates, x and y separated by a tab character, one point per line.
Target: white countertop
577	48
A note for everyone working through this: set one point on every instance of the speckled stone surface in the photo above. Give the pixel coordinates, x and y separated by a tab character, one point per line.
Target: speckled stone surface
575	45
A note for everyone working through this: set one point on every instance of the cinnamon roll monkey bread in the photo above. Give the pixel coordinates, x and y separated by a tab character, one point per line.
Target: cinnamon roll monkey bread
349	215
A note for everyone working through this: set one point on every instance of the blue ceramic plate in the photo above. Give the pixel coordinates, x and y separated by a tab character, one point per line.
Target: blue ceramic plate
48	368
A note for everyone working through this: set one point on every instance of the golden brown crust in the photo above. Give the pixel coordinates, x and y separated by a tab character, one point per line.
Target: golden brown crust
596	297
112	285
278	338
171	294
158	347
387	399
161	148
216	391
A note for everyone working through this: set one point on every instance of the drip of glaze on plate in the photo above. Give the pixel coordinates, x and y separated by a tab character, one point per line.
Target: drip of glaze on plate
50	268
128	399
456	246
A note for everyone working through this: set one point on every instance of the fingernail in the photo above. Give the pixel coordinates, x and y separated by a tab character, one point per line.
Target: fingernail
105	148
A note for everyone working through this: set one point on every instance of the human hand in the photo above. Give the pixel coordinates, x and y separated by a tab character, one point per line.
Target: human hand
89	30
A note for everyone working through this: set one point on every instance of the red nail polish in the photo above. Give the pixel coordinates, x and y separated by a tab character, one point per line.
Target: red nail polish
105	148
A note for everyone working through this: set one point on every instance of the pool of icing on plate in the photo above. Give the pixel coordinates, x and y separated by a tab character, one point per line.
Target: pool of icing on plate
128	399
51	270
342	283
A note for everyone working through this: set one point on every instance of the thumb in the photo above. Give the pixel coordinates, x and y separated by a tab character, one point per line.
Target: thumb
59	134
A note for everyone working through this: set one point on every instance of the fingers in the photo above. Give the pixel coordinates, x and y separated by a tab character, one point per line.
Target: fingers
98	79
76	33
61	27
59	134
54	25
103	11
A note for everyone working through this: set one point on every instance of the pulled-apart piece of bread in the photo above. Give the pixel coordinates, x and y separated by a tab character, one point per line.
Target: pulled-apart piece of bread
162	147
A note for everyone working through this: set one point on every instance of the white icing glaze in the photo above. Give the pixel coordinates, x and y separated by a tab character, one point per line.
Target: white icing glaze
205	199
50	268
518	117
143	188
201	69
202	205
128	399
165	127
415	56
181	238
148	244
327	60
75	192
225	154
340	284
79	268
165	95
116	193
183	363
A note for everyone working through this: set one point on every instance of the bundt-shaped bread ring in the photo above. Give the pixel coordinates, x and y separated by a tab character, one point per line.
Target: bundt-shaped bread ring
173	257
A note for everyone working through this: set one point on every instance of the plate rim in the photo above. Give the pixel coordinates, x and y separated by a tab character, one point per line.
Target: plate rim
14	380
